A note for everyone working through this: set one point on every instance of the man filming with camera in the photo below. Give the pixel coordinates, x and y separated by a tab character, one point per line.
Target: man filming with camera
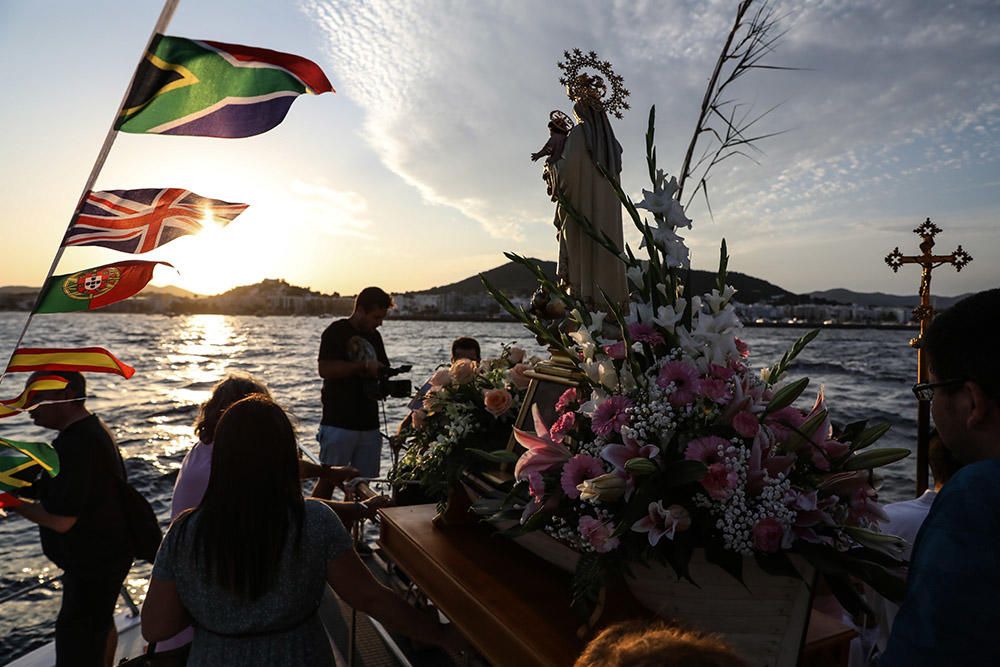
353	365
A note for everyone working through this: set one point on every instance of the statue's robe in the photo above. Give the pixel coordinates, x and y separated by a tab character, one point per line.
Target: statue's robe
585	265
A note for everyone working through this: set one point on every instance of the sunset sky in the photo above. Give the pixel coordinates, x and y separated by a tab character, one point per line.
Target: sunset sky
416	172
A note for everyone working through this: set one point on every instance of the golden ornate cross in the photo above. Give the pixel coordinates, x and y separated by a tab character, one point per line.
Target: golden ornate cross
924	313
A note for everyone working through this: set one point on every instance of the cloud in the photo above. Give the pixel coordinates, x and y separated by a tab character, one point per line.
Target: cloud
327	211
893	96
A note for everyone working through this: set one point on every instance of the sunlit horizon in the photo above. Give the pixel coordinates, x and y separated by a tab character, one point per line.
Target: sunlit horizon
416	172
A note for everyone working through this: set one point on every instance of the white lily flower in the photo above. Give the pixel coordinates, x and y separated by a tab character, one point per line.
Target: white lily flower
607	374
597	321
640	312
717	301
656	202
628	382
635	275
677	255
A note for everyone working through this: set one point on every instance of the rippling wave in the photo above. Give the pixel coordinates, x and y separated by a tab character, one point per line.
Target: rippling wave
867	373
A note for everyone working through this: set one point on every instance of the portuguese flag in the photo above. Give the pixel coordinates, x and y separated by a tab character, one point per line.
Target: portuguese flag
211	89
95	288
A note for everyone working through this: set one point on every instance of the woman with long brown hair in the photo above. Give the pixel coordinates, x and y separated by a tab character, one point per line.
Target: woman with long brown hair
249	566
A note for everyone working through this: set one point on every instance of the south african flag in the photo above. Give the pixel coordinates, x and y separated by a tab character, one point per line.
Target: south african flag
211	89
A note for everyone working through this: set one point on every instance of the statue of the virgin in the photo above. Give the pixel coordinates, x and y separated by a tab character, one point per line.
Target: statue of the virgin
584	265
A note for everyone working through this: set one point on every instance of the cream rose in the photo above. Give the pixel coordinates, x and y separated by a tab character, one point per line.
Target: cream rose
463	370
441	378
516	355
417	418
497	401
518	377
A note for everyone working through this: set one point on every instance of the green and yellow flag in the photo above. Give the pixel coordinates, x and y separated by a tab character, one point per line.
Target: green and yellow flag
210	89
18	457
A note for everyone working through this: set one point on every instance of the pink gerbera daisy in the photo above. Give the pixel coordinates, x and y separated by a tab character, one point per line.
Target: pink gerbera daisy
684	377
705	449
576	470
644	333
611	416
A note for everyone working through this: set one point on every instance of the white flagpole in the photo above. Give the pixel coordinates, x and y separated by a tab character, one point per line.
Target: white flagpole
169	6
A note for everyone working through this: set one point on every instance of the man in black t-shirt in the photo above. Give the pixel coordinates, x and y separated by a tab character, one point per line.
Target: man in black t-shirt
351	355
81	523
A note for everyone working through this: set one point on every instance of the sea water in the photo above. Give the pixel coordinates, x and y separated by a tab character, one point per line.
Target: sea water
867	374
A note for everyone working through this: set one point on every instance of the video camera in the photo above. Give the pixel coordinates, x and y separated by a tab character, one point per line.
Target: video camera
394	388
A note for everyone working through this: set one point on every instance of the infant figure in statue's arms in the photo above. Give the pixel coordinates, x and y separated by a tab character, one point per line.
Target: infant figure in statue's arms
559	126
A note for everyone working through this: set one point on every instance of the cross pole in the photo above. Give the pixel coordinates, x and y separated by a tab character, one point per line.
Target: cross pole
924	313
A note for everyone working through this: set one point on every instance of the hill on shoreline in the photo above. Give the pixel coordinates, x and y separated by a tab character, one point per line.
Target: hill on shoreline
514	280
511	279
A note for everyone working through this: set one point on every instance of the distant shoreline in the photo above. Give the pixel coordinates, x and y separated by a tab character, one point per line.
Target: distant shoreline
469	318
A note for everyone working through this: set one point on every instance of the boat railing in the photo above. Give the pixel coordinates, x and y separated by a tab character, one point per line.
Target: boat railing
358	490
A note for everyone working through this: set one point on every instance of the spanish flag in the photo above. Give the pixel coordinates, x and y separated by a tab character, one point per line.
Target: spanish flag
81	359
13	406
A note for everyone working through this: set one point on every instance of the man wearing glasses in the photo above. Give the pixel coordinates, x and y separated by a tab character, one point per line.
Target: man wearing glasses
951	613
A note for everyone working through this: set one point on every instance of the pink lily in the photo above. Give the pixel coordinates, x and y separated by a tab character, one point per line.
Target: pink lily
619	455
824	447
761	461
543	452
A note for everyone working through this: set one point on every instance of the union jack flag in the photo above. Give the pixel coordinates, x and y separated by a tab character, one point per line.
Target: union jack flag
137	221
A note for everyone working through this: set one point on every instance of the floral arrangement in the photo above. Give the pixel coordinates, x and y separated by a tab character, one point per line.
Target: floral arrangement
465	406
672	442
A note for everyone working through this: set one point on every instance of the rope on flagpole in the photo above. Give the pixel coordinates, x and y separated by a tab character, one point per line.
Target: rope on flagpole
169	6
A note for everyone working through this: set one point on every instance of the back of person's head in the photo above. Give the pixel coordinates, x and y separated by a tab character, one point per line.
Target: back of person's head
466	348
372	298
943	463
227	391
642	644
960	342
253	498
76	383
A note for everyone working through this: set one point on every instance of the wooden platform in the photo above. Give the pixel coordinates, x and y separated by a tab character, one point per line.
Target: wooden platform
513	606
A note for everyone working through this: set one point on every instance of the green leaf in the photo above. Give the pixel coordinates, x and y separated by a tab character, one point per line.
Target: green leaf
808	429
870	435
679	473
650	148
498	456
778	369
889	545
875	458
786	395
720	281
640	466
850	432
